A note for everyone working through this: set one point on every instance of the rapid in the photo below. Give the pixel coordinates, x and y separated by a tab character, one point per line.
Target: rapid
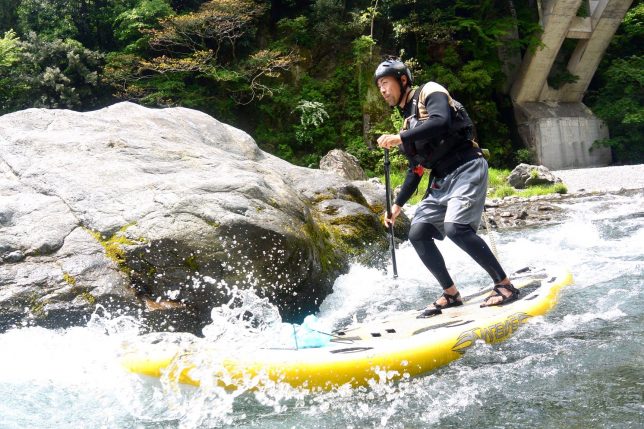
581	365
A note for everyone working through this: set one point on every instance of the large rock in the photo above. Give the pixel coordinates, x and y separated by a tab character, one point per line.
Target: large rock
343	164
525	175
138	209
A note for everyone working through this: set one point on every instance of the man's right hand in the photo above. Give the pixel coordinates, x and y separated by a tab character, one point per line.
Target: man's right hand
395	211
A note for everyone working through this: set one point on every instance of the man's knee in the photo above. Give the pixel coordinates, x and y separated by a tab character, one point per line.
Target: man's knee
456	231
423	231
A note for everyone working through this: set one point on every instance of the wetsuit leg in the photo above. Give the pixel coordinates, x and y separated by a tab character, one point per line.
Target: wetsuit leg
466	238
421	236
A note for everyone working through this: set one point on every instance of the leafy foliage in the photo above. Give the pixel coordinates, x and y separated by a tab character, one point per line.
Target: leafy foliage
132	26
620	103
619	100
297	75
57	74
312	116
87	21
9	54
193	58
9	49
51	19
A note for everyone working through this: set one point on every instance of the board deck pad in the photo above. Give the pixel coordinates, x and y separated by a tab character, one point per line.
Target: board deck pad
408	324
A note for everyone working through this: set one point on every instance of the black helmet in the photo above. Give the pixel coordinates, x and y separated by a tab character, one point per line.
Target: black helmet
393	68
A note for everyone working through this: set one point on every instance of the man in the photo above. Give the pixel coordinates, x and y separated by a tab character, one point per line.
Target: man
455	198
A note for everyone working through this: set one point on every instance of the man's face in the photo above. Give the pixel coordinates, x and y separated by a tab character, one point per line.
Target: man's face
389	89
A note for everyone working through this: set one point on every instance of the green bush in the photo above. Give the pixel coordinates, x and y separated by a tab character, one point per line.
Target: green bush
502	191
524	156
54	74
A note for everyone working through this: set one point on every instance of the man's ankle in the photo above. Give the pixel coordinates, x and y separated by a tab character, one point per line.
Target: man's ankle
451	290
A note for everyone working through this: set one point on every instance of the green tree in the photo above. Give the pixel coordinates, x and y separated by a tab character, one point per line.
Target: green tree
88	21
9	55
43	73
132	26
9	49
8	15
620	103
203	59
51	19
617	95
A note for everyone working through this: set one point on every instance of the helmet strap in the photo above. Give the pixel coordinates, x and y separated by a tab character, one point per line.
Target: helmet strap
403	89
403	92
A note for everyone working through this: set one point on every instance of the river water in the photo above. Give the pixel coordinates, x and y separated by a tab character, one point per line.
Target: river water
580	366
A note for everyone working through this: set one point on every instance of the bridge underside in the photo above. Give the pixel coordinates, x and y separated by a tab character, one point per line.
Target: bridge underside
554	121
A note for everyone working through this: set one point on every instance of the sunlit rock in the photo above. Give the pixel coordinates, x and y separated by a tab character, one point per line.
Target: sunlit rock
343	164
525	175
132	207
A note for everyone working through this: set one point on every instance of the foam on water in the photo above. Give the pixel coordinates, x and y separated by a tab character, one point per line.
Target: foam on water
50	378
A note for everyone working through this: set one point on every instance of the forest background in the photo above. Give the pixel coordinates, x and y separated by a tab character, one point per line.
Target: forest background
297	75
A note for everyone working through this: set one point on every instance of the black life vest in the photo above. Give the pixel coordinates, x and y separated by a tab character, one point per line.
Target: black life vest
441	153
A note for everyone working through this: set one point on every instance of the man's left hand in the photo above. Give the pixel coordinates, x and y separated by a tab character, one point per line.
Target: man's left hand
387	141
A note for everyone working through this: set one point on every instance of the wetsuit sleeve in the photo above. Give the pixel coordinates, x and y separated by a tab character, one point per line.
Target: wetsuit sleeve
436	125
408	187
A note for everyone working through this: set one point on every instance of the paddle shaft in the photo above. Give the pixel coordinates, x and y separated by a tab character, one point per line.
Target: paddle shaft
391	226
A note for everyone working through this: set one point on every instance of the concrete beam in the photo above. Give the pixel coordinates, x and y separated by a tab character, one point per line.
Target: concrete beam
588	53
580	28
556	18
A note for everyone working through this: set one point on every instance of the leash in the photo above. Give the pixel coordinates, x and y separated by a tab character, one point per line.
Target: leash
490	235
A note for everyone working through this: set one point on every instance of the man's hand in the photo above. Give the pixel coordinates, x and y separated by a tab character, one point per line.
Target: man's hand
387	141
395	211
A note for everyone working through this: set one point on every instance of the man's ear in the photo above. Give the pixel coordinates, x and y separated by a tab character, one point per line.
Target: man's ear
404	81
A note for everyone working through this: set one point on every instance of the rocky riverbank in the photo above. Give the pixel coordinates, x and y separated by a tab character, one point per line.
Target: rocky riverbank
583	183
513	212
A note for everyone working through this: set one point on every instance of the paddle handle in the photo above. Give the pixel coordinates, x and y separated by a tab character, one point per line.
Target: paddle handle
392	243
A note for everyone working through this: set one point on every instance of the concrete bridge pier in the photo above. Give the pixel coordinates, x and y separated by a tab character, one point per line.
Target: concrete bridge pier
554	121
562	134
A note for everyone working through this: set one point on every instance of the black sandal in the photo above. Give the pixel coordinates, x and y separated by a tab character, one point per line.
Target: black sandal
452	301
504	299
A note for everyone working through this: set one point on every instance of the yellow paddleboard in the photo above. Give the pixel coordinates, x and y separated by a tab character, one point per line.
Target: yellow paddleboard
399	346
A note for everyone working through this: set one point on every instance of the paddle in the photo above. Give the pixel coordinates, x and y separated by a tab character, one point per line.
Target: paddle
391	226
